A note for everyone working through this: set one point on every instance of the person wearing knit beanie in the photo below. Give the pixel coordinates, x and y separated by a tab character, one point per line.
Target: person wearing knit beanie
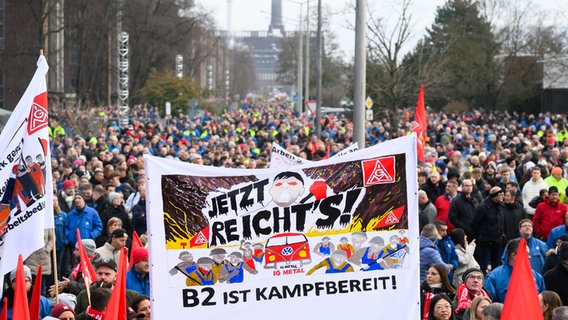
63	310
138	277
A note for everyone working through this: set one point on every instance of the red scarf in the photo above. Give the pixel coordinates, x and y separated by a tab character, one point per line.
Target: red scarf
464	297
427	299
94	314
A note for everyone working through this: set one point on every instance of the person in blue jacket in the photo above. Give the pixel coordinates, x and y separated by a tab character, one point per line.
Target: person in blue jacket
429	253
537	248
84	218
556	233
447	248
45	304
497	281
138	277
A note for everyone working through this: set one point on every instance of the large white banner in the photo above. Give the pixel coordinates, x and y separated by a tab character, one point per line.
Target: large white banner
334	239
26	189
280	157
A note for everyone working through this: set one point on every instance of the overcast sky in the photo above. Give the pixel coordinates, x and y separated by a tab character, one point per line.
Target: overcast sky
254	15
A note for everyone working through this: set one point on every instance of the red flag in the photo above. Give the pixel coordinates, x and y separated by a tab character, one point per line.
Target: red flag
35	302
89	273
522	300
420	124
116	308
136	243
4	314
20	309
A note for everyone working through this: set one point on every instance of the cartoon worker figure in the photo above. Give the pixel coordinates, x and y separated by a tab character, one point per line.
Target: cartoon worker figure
395	251
29	185
218	256
233	270
258	252
324	248
37	176
248	257
186	266
358	238
346	246
337	263
370	258
286	188
203	275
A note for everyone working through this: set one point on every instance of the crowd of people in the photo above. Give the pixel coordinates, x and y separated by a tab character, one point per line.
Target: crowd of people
488	179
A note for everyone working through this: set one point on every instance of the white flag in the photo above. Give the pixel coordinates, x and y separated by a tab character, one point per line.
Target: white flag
26	188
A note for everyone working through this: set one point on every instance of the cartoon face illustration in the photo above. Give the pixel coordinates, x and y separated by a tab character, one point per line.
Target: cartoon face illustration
286	188
394	240
338	257
235	258
186	257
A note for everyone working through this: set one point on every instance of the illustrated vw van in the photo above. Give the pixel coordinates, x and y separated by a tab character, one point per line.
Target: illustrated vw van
287	249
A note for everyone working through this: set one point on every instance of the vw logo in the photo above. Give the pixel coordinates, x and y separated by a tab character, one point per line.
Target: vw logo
287	251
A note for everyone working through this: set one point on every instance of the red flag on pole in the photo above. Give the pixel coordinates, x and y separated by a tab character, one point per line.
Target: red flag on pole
4	314
20	309
136	243
87	269
522	300
116	308
420	124
35	302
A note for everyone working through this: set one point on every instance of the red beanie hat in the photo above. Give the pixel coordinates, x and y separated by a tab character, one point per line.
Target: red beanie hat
60	308
138	255
67	184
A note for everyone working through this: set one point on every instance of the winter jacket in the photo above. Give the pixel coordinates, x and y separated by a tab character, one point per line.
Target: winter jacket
118	212
108	251
429	210
465	261
462	210
139	217
442	205
532	189
551	261
41	256
497	282
555	234
59	220
63	203
433	191
86	220
135	282
556	280
548	216
448	254
429	255
513	213
488	222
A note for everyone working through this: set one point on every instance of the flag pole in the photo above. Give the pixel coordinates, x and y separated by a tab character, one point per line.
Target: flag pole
55	273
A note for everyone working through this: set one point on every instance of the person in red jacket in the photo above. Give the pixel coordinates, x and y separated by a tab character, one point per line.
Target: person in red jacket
549	214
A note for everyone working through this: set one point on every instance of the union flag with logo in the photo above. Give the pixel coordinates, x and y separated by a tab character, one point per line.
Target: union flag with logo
26	189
